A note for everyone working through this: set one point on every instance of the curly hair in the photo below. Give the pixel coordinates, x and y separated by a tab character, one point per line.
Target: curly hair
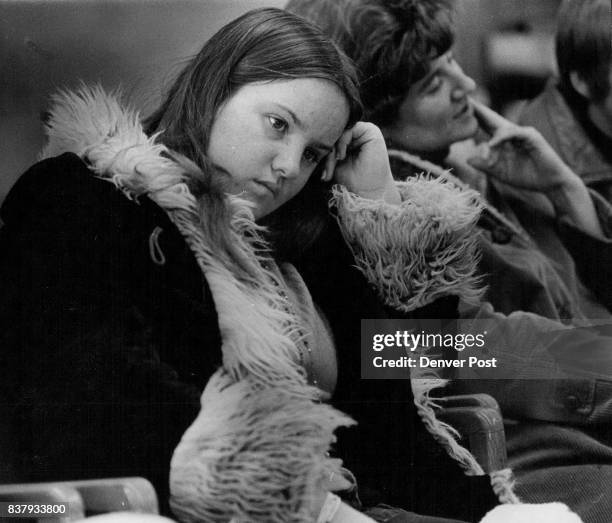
391	42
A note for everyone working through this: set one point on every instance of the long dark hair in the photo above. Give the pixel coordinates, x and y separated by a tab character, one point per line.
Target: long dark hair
262	45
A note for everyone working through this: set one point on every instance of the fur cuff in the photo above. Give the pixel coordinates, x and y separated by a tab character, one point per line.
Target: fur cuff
418	251
253	454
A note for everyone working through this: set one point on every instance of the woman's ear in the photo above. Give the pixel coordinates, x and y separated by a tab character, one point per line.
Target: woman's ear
579	85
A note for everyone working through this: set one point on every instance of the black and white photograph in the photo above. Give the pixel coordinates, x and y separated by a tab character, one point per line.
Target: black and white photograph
306	261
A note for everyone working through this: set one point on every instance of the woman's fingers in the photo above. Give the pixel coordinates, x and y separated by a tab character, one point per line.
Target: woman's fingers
363	133
335	481
502	129
363	164
338	154
343	143
507	134
487	161
330	166
526	138
488	119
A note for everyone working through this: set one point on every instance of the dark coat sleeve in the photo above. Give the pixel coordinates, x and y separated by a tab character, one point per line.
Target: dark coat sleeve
104	352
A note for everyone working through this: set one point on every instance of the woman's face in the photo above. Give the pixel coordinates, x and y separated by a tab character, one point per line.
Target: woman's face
436	111
268	138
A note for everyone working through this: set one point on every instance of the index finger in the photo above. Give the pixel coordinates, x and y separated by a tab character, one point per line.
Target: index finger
488	118
343	143
330	166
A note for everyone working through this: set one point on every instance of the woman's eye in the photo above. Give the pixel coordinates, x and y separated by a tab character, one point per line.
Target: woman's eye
311	156
434	85
278	124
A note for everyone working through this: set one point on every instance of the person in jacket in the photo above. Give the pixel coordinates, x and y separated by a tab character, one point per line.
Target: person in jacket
545	253
164	312
544	236
574	112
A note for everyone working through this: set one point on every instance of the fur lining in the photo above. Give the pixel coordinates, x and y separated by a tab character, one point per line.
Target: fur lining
503	482
275	443
420	250
442	432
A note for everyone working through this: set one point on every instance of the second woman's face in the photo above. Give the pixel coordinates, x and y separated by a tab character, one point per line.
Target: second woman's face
436	112
268	138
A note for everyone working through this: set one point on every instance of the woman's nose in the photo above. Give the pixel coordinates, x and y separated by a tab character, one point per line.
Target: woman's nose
287	161
464	85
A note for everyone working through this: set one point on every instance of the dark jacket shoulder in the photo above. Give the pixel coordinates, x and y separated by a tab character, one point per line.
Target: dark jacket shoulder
108	331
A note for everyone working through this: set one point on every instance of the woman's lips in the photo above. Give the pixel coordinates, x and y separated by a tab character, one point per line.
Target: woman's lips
464	111
270	187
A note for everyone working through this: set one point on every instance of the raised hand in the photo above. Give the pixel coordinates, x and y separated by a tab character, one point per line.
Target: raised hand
360	163
519	156
522	158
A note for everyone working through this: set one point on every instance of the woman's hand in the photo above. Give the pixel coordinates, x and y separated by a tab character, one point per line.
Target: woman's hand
335	482
519	156
522	158
360	163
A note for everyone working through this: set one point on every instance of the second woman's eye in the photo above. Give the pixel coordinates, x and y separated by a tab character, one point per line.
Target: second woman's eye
278	124
434	85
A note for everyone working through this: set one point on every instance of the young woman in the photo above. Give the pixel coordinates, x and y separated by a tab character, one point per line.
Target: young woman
544	236
150	290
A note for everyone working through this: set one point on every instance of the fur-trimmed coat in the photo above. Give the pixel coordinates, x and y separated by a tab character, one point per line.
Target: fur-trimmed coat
115	316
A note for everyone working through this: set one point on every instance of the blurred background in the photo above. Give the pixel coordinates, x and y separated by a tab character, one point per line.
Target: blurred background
506	45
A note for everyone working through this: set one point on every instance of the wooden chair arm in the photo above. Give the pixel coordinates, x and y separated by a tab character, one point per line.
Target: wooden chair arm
479	421
468	400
